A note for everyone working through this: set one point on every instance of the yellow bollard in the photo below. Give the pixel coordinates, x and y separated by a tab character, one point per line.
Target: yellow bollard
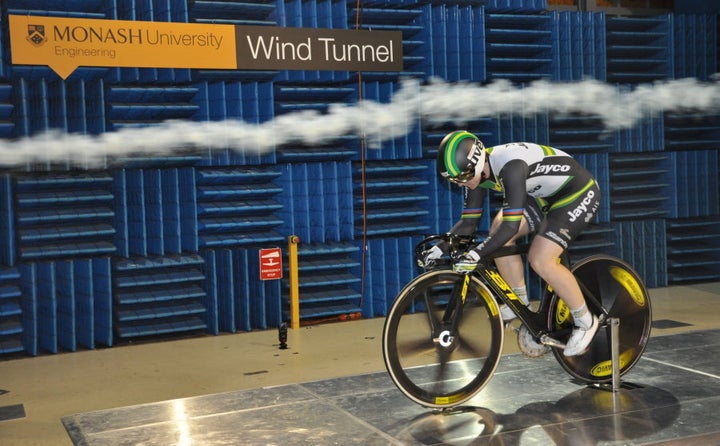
293	242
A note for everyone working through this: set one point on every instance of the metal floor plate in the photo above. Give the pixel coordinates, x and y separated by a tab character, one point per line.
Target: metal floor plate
669	398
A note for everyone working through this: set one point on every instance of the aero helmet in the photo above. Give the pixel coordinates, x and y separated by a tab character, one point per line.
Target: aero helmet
461	156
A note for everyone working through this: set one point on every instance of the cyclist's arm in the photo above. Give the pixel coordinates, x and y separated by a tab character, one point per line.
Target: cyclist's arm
472	212
513	177
471	215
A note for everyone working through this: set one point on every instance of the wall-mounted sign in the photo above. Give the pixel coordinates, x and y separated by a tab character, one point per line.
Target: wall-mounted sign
275	48
270	264
64	44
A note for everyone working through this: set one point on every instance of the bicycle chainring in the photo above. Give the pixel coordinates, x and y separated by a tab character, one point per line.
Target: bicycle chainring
528	345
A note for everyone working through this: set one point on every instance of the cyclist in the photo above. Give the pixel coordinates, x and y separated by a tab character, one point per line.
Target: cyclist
546	192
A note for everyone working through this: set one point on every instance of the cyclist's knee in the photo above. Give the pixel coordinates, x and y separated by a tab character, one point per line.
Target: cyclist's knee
539	265
544	266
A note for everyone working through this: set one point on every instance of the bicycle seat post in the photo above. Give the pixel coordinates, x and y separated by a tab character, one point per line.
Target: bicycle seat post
615	352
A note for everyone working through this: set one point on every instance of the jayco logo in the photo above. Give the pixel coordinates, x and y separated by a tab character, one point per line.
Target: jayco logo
582	207
542	169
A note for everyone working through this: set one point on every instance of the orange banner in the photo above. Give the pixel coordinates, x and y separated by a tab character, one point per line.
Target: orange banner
64	44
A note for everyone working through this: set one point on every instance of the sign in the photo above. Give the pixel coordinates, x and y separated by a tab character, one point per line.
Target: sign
64	44
275	48
270	264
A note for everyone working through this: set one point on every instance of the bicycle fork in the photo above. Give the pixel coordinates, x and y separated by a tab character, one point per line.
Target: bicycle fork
444	333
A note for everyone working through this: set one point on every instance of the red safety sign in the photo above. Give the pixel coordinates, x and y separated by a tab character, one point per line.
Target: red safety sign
270	264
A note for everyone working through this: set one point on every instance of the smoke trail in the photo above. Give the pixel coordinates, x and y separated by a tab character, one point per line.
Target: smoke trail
437	102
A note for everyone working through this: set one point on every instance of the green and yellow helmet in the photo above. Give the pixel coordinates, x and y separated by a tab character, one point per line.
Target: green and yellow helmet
460	157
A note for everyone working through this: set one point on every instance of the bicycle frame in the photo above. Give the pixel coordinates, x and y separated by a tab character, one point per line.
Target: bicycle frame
534	320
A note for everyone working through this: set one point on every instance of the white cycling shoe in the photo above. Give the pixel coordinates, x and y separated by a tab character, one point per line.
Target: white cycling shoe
507	312
580	339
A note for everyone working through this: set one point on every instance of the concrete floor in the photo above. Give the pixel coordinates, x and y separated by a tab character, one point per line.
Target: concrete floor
80	386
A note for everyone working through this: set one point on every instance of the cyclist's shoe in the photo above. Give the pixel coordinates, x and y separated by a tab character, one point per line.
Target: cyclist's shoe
580	338
507	313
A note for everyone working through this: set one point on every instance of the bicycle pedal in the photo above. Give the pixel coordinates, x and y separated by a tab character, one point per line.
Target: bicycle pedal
552	342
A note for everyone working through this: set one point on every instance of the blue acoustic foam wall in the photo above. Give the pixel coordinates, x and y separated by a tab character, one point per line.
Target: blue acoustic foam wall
519	47
639	49
695	45
330	282
640	186
237	206
64	215
643	245
236	297
11	312
390	265
580	46
696	191
187	225
693	253
158	295
394	202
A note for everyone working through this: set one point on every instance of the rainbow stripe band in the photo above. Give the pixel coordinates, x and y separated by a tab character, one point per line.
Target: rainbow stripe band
472	213
512	214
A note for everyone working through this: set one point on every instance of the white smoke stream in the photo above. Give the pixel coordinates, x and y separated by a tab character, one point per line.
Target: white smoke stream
437	102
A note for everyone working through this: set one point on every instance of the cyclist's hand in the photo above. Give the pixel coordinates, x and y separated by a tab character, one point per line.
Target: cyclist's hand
467	263
430	257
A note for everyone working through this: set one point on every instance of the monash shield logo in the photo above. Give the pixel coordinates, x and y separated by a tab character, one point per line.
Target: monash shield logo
36	34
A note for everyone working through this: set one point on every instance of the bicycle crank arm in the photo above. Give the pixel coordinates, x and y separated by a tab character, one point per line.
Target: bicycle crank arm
552	342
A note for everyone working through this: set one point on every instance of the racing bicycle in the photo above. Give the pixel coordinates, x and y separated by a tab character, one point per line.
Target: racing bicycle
443	335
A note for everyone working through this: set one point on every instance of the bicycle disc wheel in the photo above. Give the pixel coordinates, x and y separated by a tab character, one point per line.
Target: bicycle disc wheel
431	363
623	294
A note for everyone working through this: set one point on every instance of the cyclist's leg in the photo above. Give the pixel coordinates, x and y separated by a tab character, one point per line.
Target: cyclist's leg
511	267
543	257
555	233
